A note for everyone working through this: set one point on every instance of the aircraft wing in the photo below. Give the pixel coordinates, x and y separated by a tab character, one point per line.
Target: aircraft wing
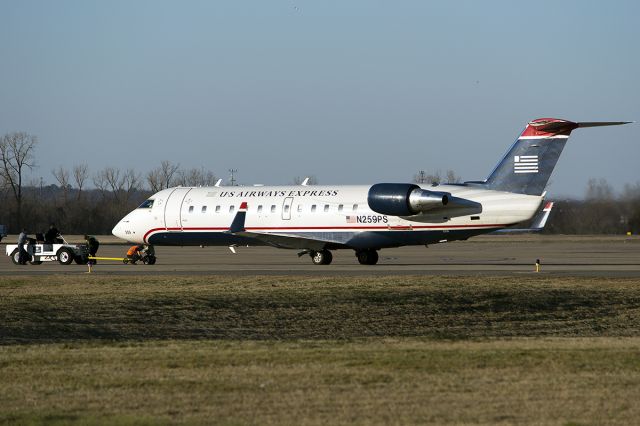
289	240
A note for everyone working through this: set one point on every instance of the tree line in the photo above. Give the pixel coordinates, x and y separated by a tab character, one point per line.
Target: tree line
71	203
76	207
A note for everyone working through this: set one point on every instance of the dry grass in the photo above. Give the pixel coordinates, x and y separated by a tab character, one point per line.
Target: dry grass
272	350
67	308
551	381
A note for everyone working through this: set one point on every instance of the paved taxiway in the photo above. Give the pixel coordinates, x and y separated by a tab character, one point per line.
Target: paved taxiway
487	255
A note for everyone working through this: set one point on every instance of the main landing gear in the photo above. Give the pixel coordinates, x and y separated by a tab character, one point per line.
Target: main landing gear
322	257
367	257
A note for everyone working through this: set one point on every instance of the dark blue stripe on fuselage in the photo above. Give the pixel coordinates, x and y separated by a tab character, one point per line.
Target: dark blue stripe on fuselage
354	240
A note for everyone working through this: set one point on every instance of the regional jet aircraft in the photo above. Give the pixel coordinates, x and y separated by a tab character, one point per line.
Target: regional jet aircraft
318	219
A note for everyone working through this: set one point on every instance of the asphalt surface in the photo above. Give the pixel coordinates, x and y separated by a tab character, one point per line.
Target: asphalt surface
487	255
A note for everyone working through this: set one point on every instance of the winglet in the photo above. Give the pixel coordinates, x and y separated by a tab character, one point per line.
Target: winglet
238	222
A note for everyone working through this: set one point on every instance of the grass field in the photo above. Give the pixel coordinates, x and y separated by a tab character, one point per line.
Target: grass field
269	350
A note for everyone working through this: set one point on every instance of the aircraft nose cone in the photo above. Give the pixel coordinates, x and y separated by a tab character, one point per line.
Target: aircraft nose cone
118	231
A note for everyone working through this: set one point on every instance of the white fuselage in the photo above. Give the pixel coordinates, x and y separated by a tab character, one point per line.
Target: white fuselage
336	215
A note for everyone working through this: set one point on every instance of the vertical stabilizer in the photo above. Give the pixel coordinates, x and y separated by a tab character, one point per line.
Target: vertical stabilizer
527	166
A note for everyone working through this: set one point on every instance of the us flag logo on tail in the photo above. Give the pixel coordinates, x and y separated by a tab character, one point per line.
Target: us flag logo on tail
525	164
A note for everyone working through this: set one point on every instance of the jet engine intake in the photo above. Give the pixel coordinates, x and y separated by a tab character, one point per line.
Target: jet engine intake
403	199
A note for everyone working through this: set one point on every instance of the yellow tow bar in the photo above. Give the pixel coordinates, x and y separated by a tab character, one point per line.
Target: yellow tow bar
120	259
124	260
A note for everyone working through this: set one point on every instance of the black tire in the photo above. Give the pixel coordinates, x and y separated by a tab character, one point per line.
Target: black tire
367	257
322	257
65	256
151	260
15	257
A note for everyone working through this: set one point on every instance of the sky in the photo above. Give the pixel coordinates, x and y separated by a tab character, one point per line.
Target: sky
351	92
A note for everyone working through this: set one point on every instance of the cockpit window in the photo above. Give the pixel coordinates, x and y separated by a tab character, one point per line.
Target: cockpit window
146	205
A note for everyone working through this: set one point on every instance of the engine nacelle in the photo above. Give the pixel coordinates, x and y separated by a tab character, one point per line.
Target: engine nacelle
403	199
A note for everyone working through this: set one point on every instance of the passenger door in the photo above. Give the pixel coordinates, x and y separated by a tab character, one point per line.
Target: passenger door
173	209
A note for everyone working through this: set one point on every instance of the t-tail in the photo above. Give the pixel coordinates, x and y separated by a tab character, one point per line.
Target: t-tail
527	166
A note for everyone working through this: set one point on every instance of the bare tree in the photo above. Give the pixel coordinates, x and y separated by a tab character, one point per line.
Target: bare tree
162	177
120	184
130	183
154	181
114	181
16	154
167	172
452	177
631	192
62	176
599	190
436	178
195	177
428	178
80	175
101	183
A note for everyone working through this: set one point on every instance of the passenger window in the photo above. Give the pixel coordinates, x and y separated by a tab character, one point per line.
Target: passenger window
340	207
355	207
326	208
231	209
273	208
260	208
313	208
299	208
217	209
190	209
204	209
286	208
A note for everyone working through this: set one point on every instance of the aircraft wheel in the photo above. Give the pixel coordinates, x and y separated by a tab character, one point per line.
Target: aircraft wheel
367	257
65	256
322	257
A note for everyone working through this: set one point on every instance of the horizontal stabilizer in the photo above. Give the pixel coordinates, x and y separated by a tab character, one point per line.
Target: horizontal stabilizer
541	219
602	123
536	226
